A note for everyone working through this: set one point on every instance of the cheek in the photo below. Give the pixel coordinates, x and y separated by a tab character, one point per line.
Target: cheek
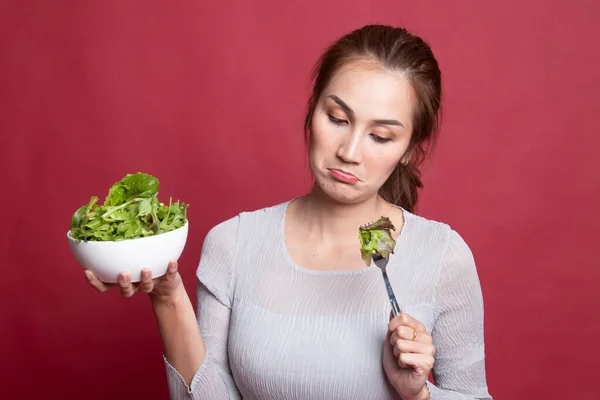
381	164
322	141
323	131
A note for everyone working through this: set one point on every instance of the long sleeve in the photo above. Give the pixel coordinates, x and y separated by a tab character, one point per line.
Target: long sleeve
459	369
213	380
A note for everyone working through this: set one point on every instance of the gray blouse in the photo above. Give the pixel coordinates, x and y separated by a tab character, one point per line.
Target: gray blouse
276	330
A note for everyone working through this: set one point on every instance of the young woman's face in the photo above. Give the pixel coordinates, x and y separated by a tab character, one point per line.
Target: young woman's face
360	131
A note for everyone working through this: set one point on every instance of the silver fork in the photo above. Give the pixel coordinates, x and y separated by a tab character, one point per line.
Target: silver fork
382	264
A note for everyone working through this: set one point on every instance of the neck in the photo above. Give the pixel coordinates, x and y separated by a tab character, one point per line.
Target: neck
326	218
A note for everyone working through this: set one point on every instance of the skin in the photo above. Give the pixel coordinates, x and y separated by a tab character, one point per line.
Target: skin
362	125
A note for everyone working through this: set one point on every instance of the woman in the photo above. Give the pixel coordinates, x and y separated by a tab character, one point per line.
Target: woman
285	305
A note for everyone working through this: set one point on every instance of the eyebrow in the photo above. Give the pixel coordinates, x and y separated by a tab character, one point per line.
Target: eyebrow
347	108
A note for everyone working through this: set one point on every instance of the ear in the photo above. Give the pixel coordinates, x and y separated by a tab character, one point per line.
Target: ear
406	157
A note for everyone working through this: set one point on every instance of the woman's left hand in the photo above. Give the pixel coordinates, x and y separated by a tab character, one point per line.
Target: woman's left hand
408	357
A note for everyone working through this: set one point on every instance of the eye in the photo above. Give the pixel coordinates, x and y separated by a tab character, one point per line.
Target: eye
337	121
379	139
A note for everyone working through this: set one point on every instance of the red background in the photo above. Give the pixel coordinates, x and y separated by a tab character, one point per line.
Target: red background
209	97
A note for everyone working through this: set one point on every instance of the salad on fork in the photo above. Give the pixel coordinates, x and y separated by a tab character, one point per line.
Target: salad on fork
377	244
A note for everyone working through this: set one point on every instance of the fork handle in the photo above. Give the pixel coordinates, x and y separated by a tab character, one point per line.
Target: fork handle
395	307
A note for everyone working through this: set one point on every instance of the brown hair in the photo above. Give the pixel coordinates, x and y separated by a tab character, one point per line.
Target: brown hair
394	49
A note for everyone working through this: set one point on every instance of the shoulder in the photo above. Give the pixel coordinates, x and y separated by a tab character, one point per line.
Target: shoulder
254	224
224	234
448	243
272	212
424	230
219	259
228	230
456	258
457	278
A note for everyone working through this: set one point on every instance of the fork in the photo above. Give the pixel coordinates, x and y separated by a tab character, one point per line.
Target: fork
382	264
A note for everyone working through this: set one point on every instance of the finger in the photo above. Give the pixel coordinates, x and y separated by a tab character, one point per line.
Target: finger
421	363
407	320
404	332
408	333
171	271
147	284
407	346
127	289
96	283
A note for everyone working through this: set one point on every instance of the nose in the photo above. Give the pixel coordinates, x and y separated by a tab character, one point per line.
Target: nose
350	150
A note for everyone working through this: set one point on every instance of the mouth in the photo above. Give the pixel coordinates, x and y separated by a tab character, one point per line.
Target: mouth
343	176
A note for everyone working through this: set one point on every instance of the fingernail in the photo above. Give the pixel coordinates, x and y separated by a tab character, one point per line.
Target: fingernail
88	275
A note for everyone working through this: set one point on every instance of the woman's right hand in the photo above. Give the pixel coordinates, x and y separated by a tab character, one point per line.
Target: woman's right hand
163	287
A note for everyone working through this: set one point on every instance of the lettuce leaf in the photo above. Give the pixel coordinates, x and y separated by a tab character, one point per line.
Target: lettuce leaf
82	214
132	186
130	210
376	237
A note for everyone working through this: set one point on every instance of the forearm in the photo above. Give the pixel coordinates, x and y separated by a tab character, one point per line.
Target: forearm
180	335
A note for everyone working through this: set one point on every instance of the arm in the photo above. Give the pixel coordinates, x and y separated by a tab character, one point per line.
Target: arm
459	368
195	351
179	333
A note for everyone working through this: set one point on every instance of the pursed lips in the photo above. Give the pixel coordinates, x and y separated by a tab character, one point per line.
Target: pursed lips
344	172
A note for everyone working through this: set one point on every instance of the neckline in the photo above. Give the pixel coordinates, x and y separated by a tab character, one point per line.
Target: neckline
344	272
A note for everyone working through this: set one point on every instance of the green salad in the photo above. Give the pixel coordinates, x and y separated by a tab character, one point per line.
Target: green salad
131	210
376	237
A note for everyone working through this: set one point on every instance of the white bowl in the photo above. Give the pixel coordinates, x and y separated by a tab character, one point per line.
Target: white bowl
107	259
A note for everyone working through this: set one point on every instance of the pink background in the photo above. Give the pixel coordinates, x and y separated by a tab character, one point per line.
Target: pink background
209	97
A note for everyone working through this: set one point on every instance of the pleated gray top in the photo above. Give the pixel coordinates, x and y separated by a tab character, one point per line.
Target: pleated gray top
275	330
